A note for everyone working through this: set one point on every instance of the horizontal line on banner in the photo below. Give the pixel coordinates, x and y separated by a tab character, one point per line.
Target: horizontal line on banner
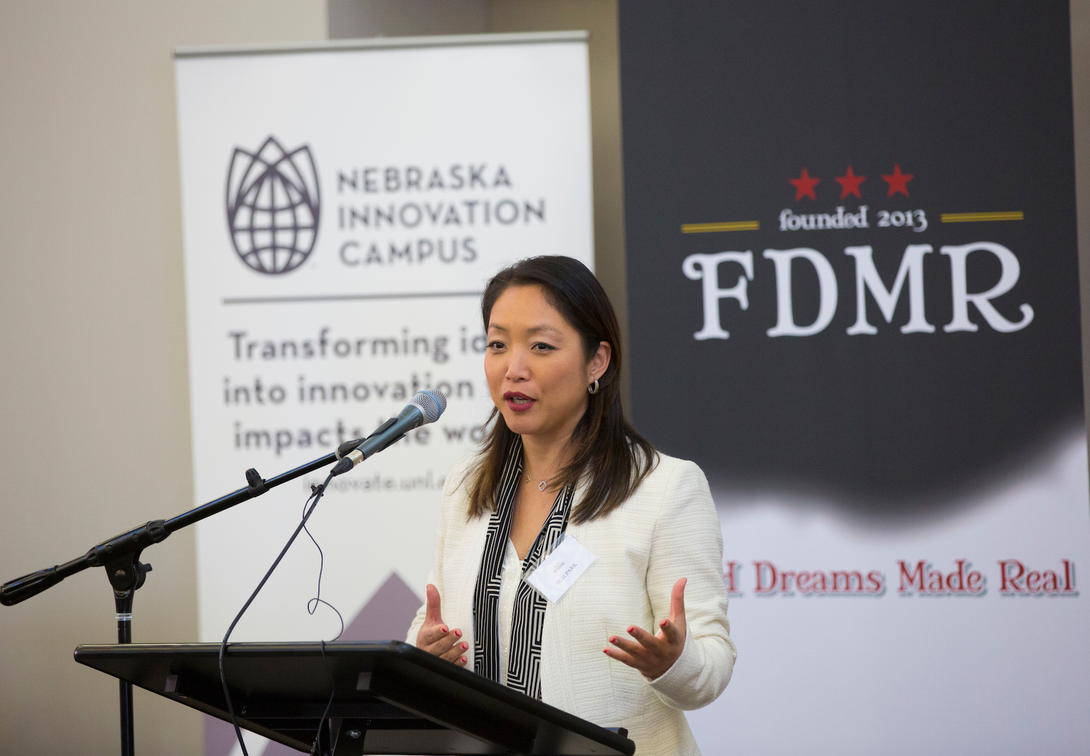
711	228
973	217
381	43
348	297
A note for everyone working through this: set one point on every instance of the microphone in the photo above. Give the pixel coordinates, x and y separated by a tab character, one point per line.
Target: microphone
425	407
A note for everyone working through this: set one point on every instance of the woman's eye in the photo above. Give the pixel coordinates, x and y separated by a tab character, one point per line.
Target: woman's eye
493	345
540	347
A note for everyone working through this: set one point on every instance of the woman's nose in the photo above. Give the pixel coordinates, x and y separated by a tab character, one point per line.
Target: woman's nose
518	367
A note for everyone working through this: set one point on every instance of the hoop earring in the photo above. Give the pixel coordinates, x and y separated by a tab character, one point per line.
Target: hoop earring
593	388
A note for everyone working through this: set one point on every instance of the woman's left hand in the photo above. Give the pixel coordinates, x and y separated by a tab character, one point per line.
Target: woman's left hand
652	655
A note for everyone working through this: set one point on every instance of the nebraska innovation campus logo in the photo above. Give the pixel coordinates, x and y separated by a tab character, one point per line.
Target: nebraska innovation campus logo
273	206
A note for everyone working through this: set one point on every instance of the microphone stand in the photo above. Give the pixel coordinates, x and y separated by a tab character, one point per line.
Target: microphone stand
120	556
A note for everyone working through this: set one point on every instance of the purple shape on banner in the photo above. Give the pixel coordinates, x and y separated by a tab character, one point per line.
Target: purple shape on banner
386	616
279	749
219	737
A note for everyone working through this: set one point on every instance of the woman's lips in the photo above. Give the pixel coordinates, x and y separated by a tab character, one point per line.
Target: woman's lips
518	402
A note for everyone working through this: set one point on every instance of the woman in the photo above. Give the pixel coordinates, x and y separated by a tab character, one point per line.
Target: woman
561	459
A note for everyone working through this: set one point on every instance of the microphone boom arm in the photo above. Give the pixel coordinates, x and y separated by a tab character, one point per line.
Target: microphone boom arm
132	542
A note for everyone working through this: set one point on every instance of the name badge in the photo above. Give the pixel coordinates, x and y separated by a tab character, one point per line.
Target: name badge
568	560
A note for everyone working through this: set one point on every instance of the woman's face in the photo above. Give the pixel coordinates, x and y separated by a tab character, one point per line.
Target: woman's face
536	367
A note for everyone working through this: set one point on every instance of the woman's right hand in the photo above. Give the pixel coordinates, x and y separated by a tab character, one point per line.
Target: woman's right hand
438	639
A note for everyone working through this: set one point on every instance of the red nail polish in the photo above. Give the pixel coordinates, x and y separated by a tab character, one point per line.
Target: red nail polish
457	633
465	646
443	630
463	660
631	629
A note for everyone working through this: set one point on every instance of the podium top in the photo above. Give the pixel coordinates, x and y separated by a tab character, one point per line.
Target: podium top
388	698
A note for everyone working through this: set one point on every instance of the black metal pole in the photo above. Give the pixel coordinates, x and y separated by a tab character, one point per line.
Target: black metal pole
126	573
123	603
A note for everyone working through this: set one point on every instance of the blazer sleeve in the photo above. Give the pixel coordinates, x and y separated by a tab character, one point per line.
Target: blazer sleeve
435	576
688	542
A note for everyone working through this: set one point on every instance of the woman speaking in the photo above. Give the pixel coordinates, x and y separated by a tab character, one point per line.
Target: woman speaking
643	632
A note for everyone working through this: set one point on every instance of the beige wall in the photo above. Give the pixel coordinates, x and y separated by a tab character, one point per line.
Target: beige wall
94	404
93	379
351	19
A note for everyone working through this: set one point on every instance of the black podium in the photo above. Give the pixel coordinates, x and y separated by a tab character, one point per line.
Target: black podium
388	698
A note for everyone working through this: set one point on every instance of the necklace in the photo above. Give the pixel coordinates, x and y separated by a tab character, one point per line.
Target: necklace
541	486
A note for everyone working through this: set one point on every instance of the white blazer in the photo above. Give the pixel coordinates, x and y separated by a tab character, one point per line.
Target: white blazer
668	529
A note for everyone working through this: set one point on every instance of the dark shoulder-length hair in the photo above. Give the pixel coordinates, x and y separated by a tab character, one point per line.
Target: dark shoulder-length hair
609	456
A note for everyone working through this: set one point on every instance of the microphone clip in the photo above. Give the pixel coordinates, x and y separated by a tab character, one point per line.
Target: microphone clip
255	483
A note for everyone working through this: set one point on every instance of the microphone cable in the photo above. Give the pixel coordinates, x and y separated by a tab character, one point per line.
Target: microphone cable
309	506
312	607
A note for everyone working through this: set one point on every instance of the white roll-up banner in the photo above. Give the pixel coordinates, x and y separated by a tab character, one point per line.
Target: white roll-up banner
344	205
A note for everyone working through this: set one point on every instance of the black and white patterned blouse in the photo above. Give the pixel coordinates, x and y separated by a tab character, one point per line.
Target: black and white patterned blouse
528	615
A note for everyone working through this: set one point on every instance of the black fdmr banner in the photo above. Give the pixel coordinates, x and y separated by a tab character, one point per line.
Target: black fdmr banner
853	289
920	156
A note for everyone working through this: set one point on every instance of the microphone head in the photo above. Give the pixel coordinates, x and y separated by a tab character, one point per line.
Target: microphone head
431	403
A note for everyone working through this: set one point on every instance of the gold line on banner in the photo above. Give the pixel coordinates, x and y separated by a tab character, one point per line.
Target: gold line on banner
711	228
977	217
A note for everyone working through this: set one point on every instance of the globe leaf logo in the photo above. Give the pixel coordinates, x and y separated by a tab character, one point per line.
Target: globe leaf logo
273	206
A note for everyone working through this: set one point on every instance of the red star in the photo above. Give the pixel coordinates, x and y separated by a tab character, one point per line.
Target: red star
849	183
898	182
804	186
